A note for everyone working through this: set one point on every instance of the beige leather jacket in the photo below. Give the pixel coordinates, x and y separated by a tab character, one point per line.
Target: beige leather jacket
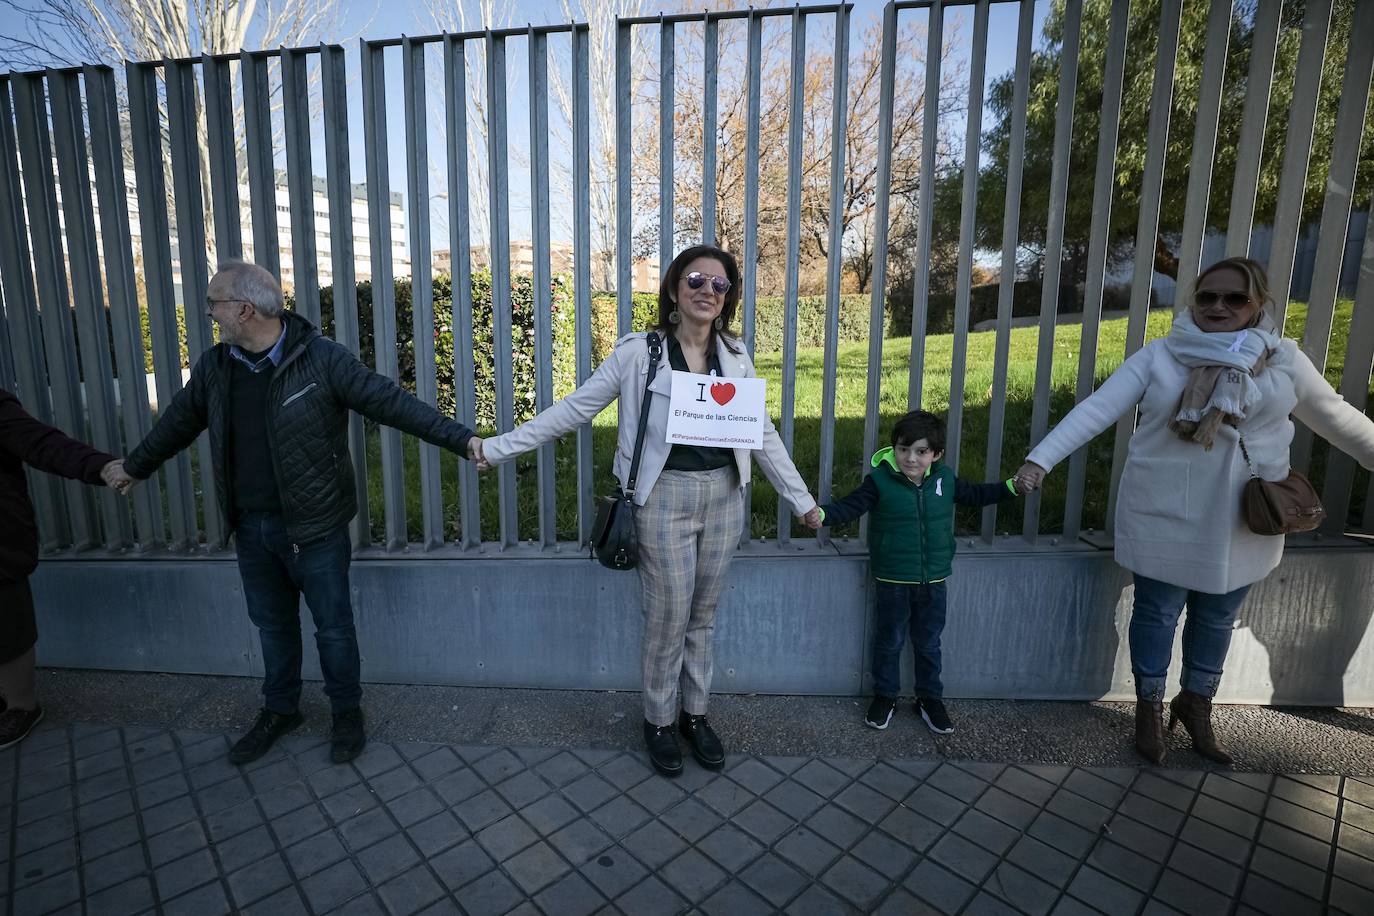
622	376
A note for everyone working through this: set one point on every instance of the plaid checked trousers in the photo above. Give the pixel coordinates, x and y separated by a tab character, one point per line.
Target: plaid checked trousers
688	530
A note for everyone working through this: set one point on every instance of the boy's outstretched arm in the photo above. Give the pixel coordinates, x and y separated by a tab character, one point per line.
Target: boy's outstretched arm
983	494
856	503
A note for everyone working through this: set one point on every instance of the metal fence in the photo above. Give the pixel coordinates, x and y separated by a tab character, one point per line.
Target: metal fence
69	288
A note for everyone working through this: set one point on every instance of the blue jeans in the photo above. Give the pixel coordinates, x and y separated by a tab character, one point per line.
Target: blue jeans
920	609
275	574
1206	636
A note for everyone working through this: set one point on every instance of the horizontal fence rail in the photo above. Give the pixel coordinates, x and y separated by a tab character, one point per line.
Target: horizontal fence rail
125	186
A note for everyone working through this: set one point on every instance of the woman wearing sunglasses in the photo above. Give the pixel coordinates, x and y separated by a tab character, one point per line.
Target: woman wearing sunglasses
1222	373
689	499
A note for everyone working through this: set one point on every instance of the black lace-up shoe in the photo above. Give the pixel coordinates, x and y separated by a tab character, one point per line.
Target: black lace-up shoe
264	733
879	712
932	709
15	724
664	753
706	747
347	739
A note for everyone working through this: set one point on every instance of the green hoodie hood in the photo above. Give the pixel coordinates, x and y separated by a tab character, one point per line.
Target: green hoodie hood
888	456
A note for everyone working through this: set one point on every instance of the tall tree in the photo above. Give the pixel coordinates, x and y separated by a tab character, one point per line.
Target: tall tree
1142	42
858	189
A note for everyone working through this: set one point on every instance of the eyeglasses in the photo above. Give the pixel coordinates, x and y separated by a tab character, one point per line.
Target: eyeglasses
211	303
719	285
1232	300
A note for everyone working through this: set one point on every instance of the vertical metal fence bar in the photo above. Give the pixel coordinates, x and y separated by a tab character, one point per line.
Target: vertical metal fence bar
300	182
21	316
145	130
1297	152
339	187
834	266
887	76
795	115
1359	359
422	281
1250	145
59	349
967	215
753	69
1054	247
1340	181
666	79
88	295
460	248
499	187
1098	239
8	372
543	294
711	55
624	305
1011	224
183	145
1204	147
257	147
1147	225
930	128
221	142
373	63
582	277
107	154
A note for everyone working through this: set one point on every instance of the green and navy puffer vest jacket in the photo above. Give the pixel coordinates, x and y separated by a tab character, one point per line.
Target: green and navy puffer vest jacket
911	532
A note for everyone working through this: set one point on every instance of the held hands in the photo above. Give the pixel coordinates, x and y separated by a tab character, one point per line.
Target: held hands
116	478
812	519
1028	477
475	454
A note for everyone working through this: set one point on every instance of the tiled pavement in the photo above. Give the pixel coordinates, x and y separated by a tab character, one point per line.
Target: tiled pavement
132	820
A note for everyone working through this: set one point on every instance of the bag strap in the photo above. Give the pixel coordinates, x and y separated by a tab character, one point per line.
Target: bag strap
1246	452
655	353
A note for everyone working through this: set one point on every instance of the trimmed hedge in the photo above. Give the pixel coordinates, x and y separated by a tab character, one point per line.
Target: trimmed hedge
522	356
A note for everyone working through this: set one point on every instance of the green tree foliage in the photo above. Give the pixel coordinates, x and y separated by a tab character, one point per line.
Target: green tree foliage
1142	42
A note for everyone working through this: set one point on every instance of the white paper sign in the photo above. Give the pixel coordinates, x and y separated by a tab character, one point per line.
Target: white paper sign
711	410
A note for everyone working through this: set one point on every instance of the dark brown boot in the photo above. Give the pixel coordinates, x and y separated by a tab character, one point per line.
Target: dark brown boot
1149	730
1195	712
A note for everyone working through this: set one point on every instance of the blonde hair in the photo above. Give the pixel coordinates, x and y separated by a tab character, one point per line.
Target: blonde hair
1256	279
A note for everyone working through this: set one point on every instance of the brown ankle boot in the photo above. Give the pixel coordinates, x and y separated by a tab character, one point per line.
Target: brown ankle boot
1149	730
1195	712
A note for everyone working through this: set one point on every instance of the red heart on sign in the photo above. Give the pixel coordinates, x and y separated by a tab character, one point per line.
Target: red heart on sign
722	392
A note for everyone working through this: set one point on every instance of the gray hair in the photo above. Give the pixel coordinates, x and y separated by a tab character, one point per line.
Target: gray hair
255	285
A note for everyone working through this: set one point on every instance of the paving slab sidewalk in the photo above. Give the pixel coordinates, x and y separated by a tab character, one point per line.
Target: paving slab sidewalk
118	817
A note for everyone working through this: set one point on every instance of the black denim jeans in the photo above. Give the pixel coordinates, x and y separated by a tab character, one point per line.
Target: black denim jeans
919	609
276	573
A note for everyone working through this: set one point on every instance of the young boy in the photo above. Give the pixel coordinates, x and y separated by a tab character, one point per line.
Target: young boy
911	494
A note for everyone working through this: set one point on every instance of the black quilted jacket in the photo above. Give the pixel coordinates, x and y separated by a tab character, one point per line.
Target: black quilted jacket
309	397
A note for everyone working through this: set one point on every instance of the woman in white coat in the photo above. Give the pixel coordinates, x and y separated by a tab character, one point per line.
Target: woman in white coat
1222	373
689	505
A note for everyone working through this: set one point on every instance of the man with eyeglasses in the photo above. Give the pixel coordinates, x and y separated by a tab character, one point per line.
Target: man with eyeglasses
275	396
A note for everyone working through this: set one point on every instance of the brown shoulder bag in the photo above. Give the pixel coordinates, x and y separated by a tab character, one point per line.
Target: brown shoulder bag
1285	506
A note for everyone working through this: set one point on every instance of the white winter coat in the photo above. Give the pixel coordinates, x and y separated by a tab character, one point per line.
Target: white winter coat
1178	512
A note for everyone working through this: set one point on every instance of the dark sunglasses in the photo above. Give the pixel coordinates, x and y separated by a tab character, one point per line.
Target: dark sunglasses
1232	300
720	285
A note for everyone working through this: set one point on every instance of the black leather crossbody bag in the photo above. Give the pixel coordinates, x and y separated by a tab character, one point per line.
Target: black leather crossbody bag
614	542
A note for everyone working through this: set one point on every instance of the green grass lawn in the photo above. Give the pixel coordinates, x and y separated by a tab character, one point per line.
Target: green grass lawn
851	387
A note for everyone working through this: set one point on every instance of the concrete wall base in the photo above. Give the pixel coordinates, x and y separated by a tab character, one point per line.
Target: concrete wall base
1024	623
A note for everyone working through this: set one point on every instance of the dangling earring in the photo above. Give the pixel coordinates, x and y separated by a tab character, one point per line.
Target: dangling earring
718	324
674	317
